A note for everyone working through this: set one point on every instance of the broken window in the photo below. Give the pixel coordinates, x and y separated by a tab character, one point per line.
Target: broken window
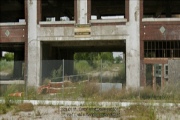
149	74
107	9
57	10
161	9
158	69
166	71
12	11
162	49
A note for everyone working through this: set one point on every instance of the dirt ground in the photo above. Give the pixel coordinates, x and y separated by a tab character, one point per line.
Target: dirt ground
77	113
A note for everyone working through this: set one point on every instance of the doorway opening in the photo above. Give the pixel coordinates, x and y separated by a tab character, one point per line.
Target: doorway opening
84	60
12	61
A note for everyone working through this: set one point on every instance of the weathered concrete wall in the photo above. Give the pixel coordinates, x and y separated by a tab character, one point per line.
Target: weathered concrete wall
33	78
118	32
173	71
133	46
55	32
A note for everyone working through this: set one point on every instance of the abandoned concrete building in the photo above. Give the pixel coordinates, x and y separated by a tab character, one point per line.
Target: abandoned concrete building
146	31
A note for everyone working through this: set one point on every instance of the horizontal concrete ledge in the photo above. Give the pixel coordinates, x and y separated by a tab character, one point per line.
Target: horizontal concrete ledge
3	82
104	104
92	37
160	19
108	21
56	22
12	24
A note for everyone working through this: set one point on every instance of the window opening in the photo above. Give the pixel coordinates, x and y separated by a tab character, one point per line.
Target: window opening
57	10
166	71
161	9
107	9
161	49
12	11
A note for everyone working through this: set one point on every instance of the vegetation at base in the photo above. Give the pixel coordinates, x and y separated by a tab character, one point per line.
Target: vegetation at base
91	94
3	109
139	112
10	101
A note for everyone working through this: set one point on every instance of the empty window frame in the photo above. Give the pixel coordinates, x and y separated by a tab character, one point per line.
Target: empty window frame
158	69
57	10
161	8
162	49
166	71
12	11
107	9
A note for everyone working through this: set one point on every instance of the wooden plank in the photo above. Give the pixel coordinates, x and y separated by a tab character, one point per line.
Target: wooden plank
155	60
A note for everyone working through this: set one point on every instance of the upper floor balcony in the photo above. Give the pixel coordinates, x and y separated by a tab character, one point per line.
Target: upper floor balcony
67	13
160	10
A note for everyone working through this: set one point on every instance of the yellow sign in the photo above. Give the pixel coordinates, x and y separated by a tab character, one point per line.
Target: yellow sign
82	30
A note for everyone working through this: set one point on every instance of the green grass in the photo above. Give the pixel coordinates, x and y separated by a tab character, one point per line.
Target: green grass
89	92
6	66
139	112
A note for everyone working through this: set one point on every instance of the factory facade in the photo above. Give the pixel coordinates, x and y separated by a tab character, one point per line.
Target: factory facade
146	31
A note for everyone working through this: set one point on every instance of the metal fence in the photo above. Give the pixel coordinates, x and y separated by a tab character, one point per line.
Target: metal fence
81	80
66	78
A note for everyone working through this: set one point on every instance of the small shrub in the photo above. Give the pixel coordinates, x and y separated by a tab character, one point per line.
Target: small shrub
112	94
57	75
3	109
82	66
90	89
9	56
46	81
25	107
148	93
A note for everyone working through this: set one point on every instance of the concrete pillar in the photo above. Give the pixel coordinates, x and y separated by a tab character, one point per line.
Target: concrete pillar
82	11
33	78
133	46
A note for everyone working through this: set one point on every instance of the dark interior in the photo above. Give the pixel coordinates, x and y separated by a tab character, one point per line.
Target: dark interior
107	8
11	10
161	8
